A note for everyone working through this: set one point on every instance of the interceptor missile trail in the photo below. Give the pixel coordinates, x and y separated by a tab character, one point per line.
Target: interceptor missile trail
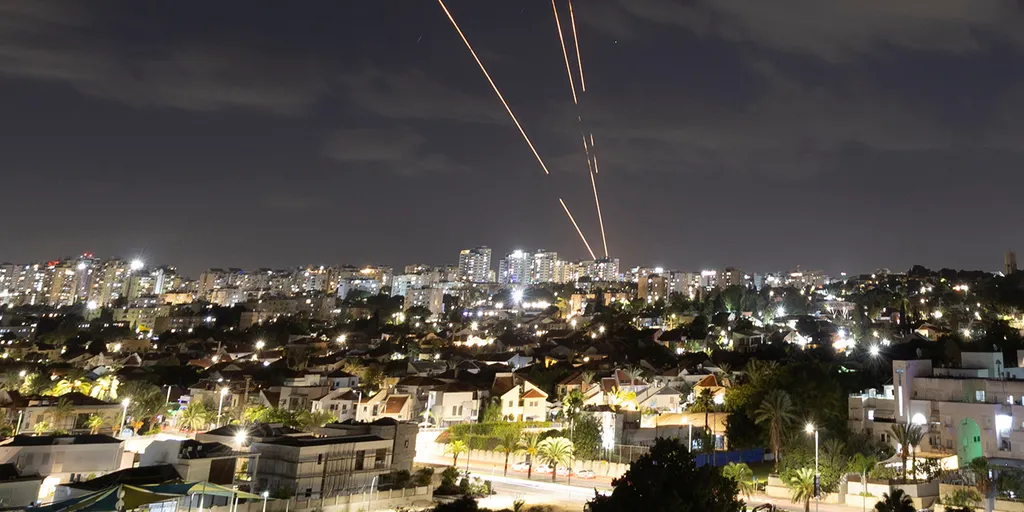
600	220
566	208
495	87
576	41
565	54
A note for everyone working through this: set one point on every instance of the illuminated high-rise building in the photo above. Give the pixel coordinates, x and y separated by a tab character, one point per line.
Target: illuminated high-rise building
514	268
544	267
475	264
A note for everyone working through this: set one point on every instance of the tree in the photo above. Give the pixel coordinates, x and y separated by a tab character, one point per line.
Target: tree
907	436
801	487
895	501
455	448
146	401
981	472
309	420
195	417
95	422
862	464
586	437
778	412
586	379
705	403
555	451
491	412
62	410
529	446
742	475
508	442
668	479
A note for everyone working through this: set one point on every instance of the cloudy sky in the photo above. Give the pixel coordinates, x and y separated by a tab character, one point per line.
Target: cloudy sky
844	135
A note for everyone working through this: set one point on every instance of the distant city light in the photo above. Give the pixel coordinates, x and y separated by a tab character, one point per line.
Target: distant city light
137	264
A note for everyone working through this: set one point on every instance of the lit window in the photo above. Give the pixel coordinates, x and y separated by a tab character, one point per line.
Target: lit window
871	414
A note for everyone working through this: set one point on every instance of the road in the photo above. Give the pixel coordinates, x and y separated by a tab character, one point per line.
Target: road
488	471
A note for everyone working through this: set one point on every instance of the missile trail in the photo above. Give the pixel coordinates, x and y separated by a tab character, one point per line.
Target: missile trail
576	41
566	208
495	87
600	220
565	54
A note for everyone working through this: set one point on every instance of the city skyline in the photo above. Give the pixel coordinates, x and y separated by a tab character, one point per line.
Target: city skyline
263	136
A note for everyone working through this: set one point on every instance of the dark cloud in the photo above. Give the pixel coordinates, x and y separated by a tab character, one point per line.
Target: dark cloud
836	31
64	42
399	150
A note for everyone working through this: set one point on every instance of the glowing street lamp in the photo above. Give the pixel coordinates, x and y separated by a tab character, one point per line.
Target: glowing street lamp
811	429
124	414
137	264
265	495
874	350
260	344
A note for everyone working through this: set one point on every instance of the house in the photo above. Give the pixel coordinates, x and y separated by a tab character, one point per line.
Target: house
403	436
47	413
457	402
17	489
385	405
660	399
513	360
197	461
320	467
61	459
713	384
341	379
520	399
341	403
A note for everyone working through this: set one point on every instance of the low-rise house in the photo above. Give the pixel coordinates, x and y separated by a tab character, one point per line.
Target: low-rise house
341	403
61	459
320	467
197	461
521	400
341	379
18	489
69	412
455	403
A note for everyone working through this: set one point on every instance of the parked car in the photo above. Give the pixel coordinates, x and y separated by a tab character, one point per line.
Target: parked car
542	469
564	471
586	474
521	466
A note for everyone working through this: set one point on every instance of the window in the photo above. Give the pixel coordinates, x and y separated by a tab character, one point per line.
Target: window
319	458
309	492
360	460
871	414
455	410
979	395
380	458
406	443
511	403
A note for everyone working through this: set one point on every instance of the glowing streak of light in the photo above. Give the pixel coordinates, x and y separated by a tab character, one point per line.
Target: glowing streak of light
585	148
566	208
600	220
596	169
565	53
576	40
495	87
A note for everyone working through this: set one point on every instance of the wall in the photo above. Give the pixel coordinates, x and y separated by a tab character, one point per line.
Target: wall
380	500
19	493
436	451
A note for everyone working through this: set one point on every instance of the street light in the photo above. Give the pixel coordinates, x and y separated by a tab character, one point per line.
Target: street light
260	344
220	404
810	428
265	495
874	350
124	415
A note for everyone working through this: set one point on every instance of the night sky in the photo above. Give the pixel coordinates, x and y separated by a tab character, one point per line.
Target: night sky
841	135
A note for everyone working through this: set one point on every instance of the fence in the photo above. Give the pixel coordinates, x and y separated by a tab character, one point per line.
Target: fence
723	458
367	501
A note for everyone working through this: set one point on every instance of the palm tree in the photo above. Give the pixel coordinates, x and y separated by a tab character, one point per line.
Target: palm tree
555	451
62	410
455	448
915	434
801	487
742	475
508	442
983	481
314	419
40	428
895	501
635	374
146	401
778	412
704	402
529	445
862	464
586	379
907	436
195	417
95	423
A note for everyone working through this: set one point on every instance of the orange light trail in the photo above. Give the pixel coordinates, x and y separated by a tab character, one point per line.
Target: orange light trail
566	208
565	53
495	87
576	41
600	220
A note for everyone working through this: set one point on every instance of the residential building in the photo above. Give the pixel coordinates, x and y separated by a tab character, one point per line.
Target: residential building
197	461
514	268
652	288
41	412
520	399
320	467
340	402
430	298
475	265
976	410
1010	263
61	459
544	268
